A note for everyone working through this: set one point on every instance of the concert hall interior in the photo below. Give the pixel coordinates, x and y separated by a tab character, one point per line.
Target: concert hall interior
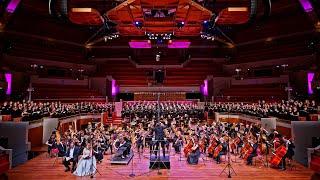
159	89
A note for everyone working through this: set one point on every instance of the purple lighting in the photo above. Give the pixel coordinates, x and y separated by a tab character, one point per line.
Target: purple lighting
182	44
205	88
142	44
113	88
8	77
12	6
310	79
306	5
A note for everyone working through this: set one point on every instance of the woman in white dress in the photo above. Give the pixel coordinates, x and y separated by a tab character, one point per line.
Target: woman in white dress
87	164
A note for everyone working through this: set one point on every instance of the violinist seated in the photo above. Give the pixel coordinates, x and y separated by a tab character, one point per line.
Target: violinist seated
122	147
52	145
98	151
223	150
178	142
193	156
62	147
254	152
71	155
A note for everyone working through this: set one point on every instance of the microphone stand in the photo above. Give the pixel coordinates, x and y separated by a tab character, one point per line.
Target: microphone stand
132	174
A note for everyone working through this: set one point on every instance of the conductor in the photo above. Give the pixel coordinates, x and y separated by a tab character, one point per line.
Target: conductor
159	138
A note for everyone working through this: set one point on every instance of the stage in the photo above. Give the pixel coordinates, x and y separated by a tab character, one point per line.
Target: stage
41	168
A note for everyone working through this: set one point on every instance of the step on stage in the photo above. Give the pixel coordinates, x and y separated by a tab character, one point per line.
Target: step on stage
120	161
163	162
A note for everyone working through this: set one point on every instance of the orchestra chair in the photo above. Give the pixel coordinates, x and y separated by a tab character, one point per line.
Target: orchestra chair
224	158
6	118
301	118
258	159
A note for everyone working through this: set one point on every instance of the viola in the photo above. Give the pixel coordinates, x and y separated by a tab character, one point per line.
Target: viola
277	157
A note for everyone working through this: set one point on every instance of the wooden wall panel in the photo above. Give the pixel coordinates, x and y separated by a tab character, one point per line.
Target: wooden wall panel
35	136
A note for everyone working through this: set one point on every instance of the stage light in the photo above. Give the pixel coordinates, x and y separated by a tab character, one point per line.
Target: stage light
180	24
158	57
138	24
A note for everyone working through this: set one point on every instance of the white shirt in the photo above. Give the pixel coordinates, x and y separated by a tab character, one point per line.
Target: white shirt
71	153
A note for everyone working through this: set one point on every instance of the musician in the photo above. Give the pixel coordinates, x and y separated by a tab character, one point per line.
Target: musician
139	141
223	150
290	153
177	142
62	147
193	156
98	151
71	156
52	144
254	145
122	147
87	164
159	138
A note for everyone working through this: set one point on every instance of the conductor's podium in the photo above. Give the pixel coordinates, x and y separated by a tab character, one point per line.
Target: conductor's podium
161	162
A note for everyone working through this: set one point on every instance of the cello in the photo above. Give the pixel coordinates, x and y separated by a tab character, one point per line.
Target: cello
217	150
212	145
277	157
188	148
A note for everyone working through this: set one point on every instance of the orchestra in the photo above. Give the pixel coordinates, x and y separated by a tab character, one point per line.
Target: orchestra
186	135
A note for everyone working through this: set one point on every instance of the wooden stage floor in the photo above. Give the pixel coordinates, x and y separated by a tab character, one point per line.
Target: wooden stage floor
41	168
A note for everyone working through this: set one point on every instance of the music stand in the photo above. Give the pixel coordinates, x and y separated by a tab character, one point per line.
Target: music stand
228	167
158	154
96	170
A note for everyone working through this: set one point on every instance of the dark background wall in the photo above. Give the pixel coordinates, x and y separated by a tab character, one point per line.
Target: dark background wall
303	132
16	132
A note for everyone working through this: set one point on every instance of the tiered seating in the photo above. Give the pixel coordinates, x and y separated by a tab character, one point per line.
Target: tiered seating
253	92
289	47
38	50
192	74
60	92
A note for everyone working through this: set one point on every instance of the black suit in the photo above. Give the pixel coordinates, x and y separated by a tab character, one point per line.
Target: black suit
74	160
159	137
62	149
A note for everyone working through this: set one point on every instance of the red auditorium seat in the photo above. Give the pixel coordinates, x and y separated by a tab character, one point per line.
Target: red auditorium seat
315	161
4	163
6	118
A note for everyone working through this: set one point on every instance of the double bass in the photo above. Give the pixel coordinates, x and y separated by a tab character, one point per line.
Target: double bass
279	154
